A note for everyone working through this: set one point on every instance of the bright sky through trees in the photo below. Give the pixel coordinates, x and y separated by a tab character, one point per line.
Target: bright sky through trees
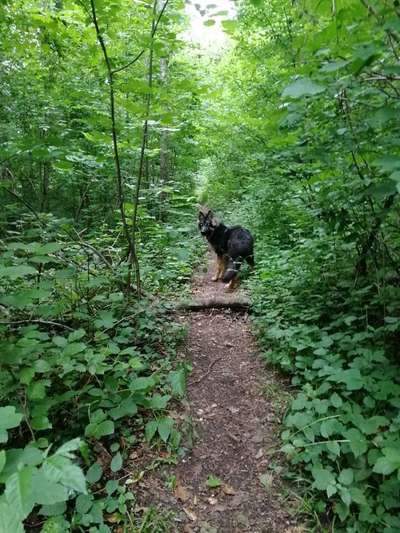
202	11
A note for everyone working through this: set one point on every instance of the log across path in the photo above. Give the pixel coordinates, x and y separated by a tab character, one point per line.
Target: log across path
230	479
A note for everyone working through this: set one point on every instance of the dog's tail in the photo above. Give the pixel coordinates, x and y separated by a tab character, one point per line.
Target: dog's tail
232	269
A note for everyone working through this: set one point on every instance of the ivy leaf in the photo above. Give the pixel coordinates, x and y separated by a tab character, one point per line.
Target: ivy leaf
302	87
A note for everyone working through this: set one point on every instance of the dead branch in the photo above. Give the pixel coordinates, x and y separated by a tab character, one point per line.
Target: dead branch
239	303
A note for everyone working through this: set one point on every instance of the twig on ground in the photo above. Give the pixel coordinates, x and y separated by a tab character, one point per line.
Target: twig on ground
210	366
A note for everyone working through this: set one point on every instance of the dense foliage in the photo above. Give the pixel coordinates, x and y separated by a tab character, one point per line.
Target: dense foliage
304	148
96	180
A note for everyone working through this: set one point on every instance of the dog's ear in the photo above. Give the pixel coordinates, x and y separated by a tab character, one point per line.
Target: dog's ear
214	220
205	211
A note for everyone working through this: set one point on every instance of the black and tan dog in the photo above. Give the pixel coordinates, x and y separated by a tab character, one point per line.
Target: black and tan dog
232	245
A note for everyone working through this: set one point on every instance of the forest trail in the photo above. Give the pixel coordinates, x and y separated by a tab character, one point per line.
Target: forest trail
234	429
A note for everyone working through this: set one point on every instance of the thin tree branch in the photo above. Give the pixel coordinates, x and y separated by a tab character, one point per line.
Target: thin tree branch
121	199
36	321
24	202
153	32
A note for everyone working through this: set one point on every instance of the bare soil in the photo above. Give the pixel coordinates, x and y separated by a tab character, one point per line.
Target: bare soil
235	426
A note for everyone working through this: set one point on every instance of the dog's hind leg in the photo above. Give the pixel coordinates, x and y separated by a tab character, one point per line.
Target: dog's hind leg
233	284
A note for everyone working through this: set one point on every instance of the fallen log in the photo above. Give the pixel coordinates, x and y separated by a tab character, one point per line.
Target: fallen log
201	304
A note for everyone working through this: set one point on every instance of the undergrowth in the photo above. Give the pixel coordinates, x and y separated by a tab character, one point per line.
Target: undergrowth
339	341
88	372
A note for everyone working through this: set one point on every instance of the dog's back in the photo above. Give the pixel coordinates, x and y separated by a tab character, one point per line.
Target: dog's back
239	248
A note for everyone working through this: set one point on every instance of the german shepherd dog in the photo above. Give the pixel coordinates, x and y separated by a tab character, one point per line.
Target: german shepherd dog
232	245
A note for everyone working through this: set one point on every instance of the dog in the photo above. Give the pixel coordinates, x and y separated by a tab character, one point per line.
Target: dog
232	245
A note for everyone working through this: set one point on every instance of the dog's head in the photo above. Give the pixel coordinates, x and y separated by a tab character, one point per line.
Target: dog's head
207	221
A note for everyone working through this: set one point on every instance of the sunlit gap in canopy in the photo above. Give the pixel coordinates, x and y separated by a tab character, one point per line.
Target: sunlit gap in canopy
205	17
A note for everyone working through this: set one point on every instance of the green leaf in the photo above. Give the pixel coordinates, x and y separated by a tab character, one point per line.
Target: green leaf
334	66
302	87
18	491
209	22
100	429
151	429
357	443
158	402
45	491
371	425
126	407
61	342
106	320
177	380
164	427
94	473
328	427
336	400
346	476
14	272
83	503
76	335
229	26
322	478
142	383
8	419
37	389
2	459
26	375
116	462
388	163
69	446
53	510
10	522
389	462
60	469
213	481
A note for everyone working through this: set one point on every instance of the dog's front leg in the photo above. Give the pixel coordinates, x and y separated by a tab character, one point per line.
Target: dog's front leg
219	268
224	266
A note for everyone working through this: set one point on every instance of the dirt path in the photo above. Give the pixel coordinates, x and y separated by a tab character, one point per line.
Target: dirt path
234	430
